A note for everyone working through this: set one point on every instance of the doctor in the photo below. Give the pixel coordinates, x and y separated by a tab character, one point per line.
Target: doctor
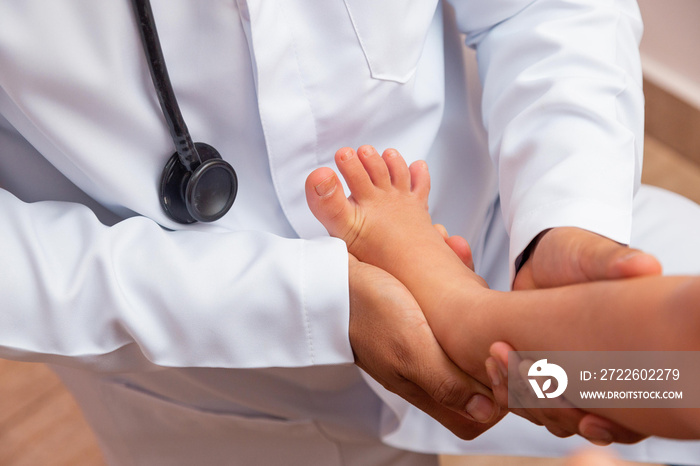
226	342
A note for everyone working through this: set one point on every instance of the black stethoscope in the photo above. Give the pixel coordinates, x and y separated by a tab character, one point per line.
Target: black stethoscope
197	185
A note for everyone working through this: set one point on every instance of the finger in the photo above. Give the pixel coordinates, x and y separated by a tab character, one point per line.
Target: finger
557	415
603	259
460	425
429	380
452	388
500	387
561	421
461	247
629	262
442	230
496	368
425	364
499	351
458	244
601	431
499	382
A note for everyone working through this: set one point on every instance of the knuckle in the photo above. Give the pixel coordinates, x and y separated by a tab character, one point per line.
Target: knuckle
449	393
404	360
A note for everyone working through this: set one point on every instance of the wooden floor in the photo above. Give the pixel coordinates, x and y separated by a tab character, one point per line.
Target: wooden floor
40	424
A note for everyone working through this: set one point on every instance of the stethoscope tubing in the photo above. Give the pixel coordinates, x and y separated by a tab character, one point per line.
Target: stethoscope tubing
164	89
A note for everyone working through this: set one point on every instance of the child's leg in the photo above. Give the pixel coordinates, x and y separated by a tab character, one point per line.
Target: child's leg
385	222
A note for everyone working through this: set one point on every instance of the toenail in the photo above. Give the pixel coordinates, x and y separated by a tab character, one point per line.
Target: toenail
391	153
368	151
326	187
346	155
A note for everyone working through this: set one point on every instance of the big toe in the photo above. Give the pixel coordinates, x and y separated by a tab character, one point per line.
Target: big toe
327	201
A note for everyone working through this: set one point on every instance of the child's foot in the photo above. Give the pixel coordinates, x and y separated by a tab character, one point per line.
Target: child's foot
385	221
389	201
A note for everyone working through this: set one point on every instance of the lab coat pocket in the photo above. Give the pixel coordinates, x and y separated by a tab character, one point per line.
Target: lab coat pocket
392	34
153	430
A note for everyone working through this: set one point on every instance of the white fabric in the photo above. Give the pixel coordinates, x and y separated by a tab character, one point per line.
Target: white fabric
248	317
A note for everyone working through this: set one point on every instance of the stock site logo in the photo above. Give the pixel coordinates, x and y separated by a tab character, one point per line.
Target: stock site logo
542	368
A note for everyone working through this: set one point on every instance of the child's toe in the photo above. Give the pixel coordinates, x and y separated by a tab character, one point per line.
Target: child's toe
327	201
420	178
354	173
374	165
398	170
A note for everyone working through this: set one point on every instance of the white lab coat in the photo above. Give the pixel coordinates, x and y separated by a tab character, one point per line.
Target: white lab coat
228	342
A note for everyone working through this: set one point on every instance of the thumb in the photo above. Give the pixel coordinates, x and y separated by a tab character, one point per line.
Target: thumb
568	255
627	262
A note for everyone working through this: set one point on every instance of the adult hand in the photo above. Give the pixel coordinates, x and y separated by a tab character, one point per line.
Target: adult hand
567	255
562	421
393	343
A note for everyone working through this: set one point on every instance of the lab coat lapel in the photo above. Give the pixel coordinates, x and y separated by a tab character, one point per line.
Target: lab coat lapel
285	111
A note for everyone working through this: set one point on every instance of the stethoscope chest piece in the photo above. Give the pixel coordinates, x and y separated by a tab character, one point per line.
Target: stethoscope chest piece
197	185
203	194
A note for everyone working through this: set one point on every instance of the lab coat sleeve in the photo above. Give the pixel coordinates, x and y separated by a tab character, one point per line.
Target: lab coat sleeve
135	296
563	107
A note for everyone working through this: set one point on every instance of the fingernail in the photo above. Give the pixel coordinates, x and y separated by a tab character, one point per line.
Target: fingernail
493	373
597	435
326	187
480	408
